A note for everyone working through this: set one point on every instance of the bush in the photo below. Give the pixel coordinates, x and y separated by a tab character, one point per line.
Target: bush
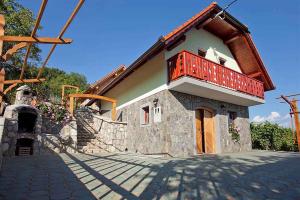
54	113
268	136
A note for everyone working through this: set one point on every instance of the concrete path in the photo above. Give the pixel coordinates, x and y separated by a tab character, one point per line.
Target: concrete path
255	175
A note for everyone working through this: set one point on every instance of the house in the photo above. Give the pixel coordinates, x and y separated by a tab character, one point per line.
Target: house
190	92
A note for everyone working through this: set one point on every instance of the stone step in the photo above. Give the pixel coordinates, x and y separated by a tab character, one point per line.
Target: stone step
86	131
84	139
84	122
80	143
84	136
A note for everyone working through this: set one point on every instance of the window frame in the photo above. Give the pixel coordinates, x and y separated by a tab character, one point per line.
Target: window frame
222	61
232	117
143	115
202	52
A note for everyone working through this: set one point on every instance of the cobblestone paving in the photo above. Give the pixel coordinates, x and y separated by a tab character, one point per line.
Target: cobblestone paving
255	175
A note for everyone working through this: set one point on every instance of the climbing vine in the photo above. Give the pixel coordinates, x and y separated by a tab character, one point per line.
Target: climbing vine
55	113
235	132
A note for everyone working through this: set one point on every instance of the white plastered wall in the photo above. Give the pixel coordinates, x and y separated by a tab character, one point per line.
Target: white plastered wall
214	46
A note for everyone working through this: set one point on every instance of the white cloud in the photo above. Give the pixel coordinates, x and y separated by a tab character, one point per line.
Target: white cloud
258	119
274	117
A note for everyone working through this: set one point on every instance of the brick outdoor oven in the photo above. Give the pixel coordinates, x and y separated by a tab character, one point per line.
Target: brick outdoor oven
23	123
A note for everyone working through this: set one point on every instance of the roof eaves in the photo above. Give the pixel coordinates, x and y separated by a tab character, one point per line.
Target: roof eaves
138	62
120	69
261	64
190	21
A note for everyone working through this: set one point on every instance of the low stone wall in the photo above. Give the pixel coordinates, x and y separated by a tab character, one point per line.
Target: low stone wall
50	127
57	140
105	135
111	136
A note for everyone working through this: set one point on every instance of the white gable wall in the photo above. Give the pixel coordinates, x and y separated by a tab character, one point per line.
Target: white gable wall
148	79
152	77
215	47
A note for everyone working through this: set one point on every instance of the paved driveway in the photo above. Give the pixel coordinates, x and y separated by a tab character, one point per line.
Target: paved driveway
255	175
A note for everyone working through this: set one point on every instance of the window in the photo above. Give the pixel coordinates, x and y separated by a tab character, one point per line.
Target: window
231	118
145	115
157	114
202	52
222	61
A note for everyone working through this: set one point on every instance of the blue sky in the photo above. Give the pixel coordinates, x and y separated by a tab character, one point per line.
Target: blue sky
109	33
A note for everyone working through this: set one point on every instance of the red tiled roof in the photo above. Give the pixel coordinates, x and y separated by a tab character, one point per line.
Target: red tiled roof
162	42
112	75
190	21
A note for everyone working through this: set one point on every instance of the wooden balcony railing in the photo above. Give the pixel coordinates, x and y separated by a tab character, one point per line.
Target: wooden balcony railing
189	64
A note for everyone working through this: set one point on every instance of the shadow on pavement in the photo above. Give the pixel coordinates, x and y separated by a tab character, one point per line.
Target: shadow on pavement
253	175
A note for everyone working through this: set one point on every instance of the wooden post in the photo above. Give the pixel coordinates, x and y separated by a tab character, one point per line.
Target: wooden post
2	78
2	24
297	122
62	95
72	106
114	111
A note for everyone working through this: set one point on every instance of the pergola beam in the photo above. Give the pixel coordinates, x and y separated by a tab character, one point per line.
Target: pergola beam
75	11
13	50
36	26
63	91
30	39
2	24
10	88
93	96
24	81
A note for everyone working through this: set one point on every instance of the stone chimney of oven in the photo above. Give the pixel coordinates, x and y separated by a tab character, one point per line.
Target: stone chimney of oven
24	95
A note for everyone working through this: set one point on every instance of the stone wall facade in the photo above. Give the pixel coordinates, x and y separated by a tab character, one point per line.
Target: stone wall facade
175	133
106	135
111	136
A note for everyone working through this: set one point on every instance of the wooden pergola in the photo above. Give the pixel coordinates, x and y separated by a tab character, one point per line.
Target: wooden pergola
27	41
63	88
93	96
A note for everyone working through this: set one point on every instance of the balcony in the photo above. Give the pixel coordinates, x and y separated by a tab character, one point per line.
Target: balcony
193	74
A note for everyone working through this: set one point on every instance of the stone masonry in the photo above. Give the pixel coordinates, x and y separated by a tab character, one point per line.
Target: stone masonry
98	134
10	131
175	134
58	137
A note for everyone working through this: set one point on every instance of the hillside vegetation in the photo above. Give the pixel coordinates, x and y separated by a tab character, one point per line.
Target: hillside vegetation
268	136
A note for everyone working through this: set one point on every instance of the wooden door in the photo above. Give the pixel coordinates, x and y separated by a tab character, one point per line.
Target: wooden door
199	131
209	136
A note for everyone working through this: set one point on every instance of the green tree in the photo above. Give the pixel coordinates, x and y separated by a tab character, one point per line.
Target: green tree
55	78
19	21
268	136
